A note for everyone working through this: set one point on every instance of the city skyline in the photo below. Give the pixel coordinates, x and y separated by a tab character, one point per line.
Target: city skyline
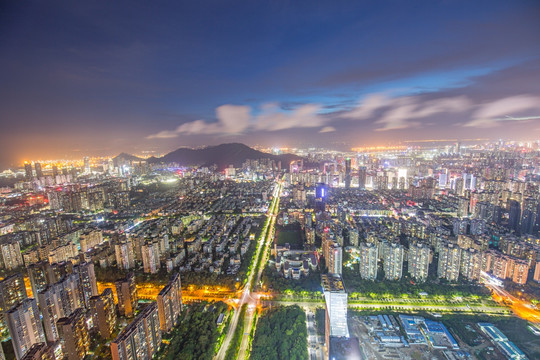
101	78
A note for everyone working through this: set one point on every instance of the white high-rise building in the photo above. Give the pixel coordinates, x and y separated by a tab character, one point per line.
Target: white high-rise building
24	326
471	264
335	259
368	261
392	256
449	262
335	298
418	261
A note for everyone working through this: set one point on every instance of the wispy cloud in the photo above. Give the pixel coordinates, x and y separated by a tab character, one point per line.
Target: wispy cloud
327	129
238	119
495	112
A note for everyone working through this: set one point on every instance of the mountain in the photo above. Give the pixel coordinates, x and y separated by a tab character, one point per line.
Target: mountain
222	155
124	157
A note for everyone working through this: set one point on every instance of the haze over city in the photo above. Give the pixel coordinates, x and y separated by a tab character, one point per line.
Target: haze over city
99	78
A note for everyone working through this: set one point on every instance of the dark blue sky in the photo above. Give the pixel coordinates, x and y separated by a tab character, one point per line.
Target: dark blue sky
100	77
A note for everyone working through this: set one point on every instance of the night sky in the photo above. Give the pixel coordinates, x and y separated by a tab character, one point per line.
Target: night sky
99	77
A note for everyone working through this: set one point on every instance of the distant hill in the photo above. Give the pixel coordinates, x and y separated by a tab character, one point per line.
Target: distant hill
222	155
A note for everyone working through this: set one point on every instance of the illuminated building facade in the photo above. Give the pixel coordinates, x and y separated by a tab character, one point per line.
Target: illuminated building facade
74	335
169	303
103	312
141	338
24	326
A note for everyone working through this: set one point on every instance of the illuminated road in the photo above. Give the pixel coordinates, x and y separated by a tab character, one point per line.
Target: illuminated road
246	298
522	309
413	307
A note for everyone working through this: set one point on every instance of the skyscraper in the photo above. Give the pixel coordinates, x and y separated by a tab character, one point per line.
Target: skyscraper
12	290
368	261
347	173
59	300
140	339
39	172
74	335
103	313
362	174
125	258
150	257
87	281
514	215
392	255
528	217
471	264
126	291
449	262
335	298
169	303
335	259
24	325
28	175
418	261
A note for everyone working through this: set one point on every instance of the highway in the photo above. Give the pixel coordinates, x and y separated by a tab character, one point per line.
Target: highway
521	308
246	298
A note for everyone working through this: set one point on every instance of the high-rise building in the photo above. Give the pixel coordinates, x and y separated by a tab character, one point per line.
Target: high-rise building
514	215
150	258
140	339
321	192
347	173
520	271
103	313
528	217
74	335
12	290
87	165
471	264
10	255
335	259
335	298
87	281
169	303
126	291
25	327
362	175
59	300
44	351
39	172
392	255
537	272
449	262
125	257
418	261
41	274
368	261
28	175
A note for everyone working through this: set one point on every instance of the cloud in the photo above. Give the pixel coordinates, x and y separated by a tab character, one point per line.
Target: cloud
273	119
237	119
327	129
400	112
232	119
493	113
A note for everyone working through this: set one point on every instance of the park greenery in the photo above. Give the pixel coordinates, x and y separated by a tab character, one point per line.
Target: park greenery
234	347
290	234
281	335
276	282
360	288
196	336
